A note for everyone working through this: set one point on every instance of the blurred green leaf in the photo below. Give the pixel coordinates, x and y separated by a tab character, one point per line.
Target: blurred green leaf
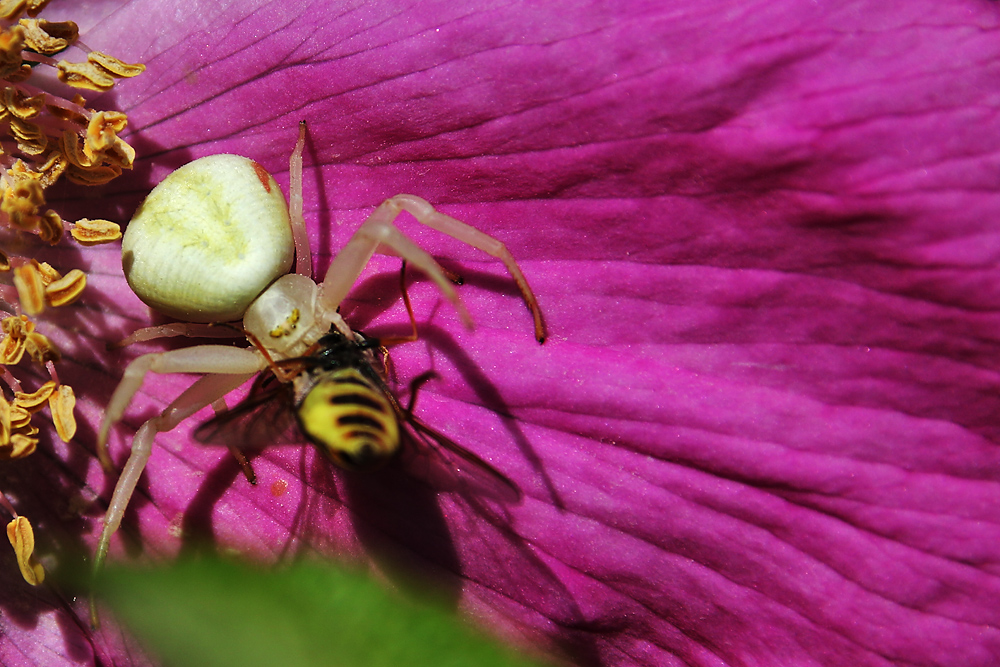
210	612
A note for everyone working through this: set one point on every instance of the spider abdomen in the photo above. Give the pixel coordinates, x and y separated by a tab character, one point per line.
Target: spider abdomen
349	418
208	240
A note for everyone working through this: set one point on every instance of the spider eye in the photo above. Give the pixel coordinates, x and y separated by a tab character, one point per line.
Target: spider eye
283	313
287	327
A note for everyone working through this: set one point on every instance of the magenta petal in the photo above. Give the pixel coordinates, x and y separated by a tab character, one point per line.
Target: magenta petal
763	429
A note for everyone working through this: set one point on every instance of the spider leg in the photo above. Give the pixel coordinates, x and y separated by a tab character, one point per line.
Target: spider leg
378	230
205	391
303	257
214	359
190	329
379	234
422	210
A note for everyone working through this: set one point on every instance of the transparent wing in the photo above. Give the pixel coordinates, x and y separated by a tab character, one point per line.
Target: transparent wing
438	460
447	466
265	417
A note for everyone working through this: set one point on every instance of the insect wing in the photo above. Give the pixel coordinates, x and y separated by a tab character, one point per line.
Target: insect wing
265	417
446	465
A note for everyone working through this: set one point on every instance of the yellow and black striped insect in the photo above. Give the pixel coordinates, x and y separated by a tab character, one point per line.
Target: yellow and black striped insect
343	406
338	398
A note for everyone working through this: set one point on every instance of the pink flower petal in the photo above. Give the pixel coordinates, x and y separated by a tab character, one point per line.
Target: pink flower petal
762	431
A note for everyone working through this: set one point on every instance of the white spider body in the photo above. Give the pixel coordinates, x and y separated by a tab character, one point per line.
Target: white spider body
283	318
191	251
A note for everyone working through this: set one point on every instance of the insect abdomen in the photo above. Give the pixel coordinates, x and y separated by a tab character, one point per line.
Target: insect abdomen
350	419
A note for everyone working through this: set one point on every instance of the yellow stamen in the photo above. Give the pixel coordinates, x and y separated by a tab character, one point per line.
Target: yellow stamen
11	351
46	173
92	232
70	144
67	289
21	445
12	345
11	9
30	288
11	45
102	141
98	73
36	400
35	6
61	404
49	274
17	327
104	128
54	135
40	348
50	227
114	66
74	115
21	201
49	135
49	37
20	74
50	170
30	137
92	176
21	105
85	75
22	538
19	418
5	430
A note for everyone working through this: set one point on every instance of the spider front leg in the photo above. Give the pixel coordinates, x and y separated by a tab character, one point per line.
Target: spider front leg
378	231
214	359
202	393
225	369
426	214
189	329
208	390
379	234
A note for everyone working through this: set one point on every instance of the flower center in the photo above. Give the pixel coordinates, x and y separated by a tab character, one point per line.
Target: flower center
43	136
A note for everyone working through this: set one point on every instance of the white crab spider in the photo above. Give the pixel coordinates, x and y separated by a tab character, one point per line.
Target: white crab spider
285	319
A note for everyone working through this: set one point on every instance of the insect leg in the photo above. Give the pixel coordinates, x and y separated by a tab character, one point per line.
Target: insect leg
415	386
220	406
396	340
